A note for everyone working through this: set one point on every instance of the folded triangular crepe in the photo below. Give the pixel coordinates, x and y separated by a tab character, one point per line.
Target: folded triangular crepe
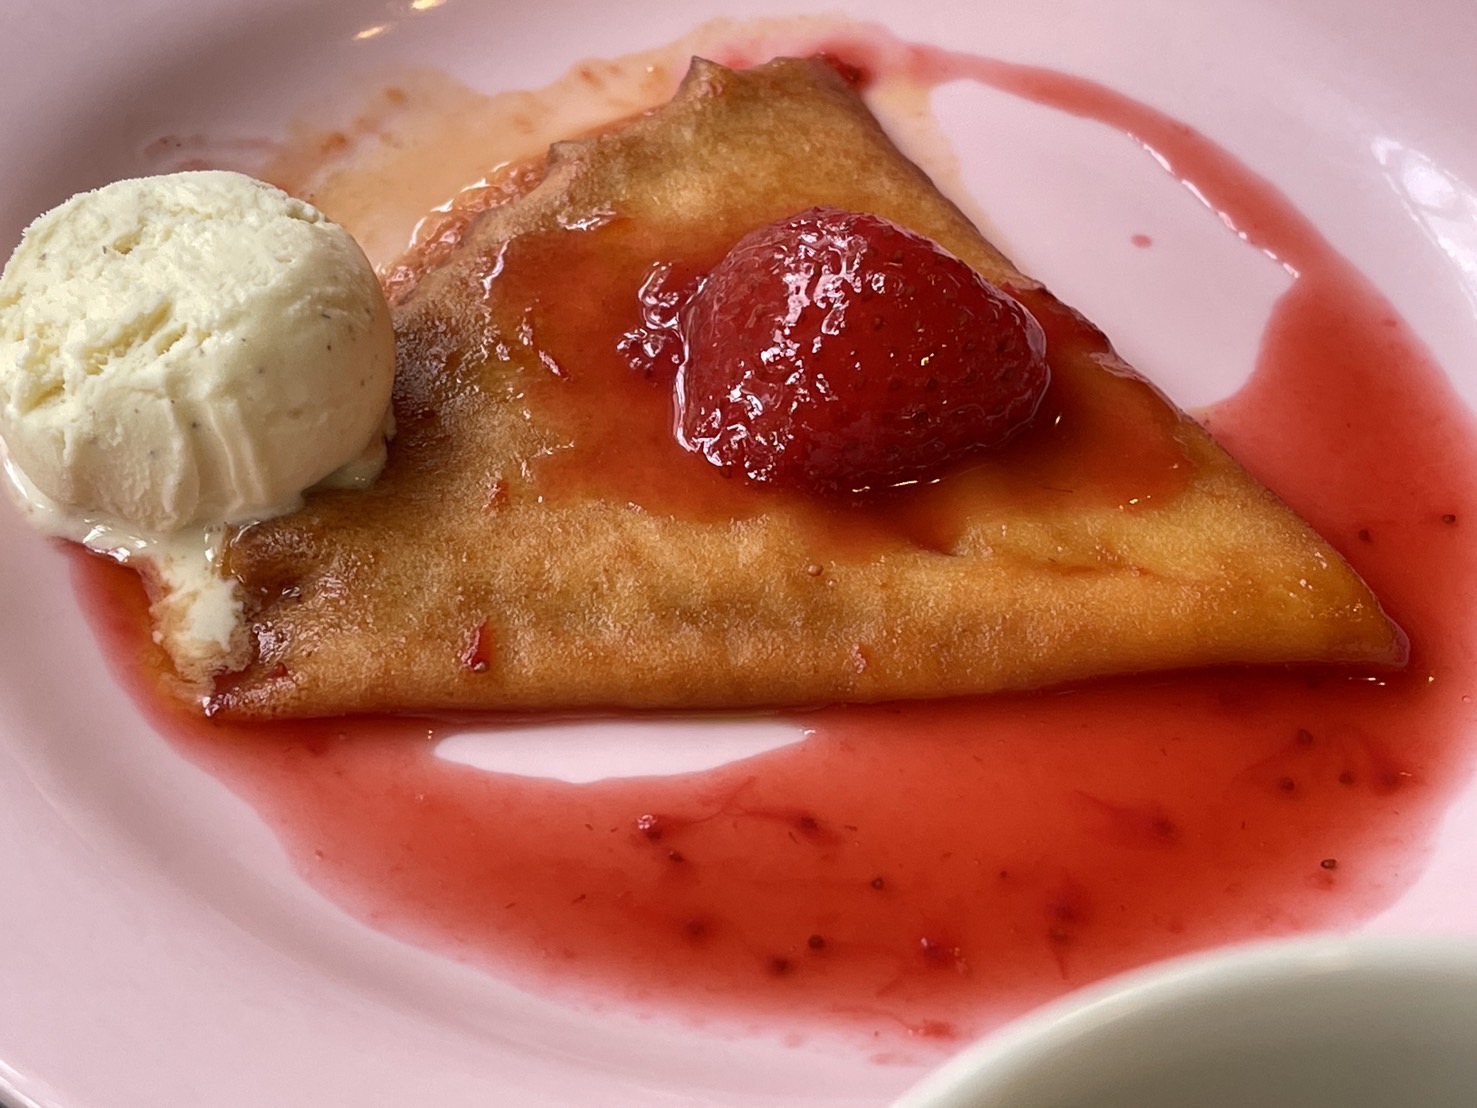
539	541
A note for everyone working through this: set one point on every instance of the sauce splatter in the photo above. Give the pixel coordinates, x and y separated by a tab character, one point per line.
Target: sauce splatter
929	870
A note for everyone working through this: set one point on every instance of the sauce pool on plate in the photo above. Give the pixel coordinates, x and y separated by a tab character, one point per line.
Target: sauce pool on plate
928	870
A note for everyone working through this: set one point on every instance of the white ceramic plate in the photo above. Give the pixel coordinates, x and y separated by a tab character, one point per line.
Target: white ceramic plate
156	948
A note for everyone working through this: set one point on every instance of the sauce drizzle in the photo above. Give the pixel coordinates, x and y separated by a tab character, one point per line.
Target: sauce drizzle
929	870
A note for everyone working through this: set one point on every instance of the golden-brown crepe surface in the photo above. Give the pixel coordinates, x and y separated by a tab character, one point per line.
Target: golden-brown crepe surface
538	541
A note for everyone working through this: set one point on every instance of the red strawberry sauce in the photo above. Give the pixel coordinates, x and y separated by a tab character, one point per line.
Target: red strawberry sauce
932	869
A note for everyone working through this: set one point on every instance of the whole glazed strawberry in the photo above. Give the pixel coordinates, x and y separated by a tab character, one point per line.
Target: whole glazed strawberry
835	351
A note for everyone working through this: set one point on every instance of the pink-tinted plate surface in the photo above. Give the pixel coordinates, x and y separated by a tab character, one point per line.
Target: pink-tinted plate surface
158	948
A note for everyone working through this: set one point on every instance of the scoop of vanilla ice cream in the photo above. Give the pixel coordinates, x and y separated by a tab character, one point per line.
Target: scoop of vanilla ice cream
189	350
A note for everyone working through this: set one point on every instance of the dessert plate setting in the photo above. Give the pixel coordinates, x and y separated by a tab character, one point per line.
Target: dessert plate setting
161	945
